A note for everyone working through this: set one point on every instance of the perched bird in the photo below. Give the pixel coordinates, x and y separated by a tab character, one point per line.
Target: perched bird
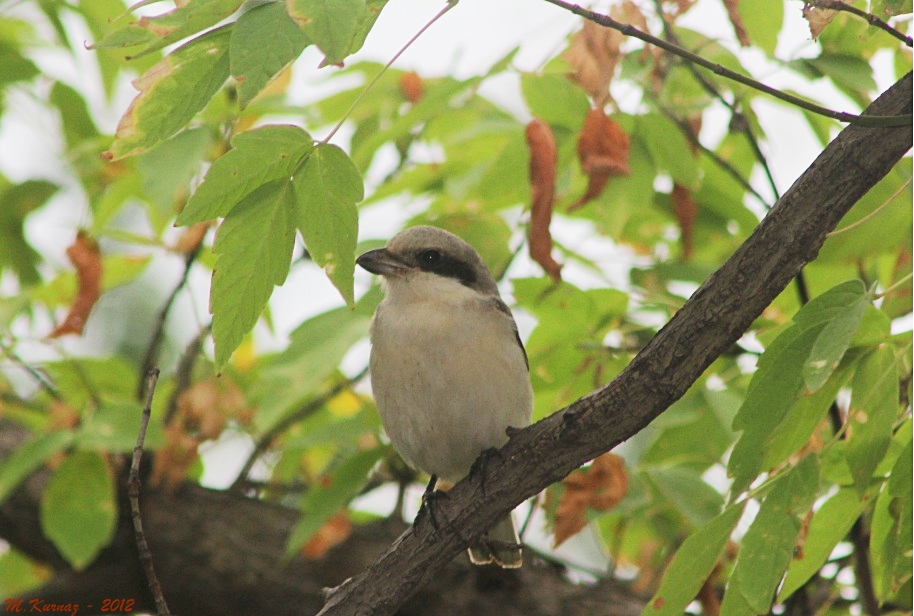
448	370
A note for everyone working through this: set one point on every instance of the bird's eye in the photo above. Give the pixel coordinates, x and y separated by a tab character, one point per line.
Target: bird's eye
429	258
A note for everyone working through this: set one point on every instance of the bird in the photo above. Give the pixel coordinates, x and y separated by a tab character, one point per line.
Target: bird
448	370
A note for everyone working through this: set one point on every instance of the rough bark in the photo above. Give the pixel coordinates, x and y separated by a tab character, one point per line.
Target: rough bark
713	319
222	554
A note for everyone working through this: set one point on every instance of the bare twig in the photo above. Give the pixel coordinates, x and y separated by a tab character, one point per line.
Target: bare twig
150	357
880	121
133	491
837	5
183	372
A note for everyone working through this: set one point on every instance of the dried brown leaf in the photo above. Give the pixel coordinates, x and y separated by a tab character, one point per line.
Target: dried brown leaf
600	486
543	160
736	20
603	149
685	208
87	259
817	18
593	54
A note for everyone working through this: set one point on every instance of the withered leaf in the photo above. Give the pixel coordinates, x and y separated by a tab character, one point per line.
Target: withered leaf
736	20
600	486
817	18
685	208
603	149
543	160
593	54
87	259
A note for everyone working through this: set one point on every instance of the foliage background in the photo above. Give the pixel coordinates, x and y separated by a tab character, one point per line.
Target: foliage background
805	446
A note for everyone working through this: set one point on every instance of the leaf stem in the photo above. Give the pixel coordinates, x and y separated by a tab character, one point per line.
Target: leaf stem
629	30
857	223
450	4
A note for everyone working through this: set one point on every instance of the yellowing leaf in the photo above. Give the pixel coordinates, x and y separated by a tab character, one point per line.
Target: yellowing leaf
172	92
157	31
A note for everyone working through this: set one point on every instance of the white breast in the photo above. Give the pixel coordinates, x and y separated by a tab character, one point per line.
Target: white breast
448	373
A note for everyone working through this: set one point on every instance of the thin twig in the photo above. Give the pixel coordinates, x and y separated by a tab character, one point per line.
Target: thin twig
738	121
150	357
629	30
183	371
450	4
287	422
133	491
837	5
724	165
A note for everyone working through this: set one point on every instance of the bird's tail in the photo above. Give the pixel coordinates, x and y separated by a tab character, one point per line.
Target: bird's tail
500	545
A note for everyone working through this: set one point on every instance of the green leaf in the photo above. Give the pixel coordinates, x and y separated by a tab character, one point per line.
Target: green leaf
666	144
257	157
167	170
315	349
331	495
774	389
828	527
891	532
805	416
327	187
768	544
338	27
254	244
78	508
29	456
78	126
873	411
836	337
692	565
688	492
114	428
20	574
156	32
19	200
172	92
14	66
555	99
764	26
264	42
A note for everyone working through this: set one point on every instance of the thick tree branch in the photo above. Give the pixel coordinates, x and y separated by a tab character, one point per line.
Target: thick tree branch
218	553
717	314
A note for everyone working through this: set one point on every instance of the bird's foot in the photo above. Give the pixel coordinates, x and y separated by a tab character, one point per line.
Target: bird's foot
479	466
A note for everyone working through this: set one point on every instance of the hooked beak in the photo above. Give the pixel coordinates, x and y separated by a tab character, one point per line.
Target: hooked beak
383	262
